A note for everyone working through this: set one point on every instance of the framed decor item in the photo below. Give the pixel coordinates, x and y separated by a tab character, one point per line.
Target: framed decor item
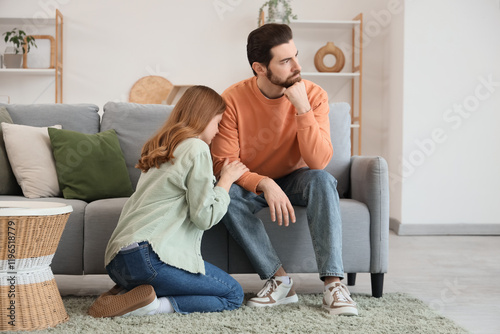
40	57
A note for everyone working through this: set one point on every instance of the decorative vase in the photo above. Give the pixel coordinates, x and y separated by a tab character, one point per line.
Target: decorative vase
274	14
329	49
277	10
13	60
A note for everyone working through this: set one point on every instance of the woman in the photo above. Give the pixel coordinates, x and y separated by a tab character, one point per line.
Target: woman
154	253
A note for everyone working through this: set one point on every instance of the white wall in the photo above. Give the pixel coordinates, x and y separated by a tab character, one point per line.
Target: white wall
108	45
417	65
393	109
451	112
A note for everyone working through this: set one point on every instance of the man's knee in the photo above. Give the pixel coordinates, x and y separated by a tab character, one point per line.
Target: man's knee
236	191
320	178
241	199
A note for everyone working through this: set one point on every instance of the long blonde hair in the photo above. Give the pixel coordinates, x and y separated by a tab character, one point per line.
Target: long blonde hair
190	116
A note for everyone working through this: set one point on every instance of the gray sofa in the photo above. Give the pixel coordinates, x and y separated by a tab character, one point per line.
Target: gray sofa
362	185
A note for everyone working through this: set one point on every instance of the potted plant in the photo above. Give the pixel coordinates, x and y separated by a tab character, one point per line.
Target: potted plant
276	10
12	56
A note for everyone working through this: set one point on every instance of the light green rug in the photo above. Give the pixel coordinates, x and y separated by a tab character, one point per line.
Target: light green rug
393	313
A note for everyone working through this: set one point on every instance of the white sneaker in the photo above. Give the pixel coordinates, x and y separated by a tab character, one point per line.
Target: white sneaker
274	292
337	300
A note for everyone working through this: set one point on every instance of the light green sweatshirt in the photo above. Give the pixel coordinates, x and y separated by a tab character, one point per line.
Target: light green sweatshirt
171	207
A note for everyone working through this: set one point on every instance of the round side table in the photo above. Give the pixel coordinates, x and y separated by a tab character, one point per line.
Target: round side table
29	234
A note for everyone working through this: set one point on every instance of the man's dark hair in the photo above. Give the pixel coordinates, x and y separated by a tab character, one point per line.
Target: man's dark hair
263	39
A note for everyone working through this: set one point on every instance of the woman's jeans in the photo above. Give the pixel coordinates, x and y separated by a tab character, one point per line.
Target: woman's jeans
312	188
213	292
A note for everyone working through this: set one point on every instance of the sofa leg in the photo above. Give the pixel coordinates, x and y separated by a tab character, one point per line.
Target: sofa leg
377	285
351	279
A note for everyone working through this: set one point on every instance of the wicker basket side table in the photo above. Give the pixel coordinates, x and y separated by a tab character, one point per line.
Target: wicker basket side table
29	235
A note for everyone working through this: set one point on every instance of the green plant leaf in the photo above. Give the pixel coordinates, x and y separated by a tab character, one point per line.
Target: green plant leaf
17	37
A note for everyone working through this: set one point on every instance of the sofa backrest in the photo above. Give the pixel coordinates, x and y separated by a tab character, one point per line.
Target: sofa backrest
76	117
134	124
340	134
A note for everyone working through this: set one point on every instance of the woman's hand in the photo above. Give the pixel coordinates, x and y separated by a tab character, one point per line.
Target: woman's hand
231	172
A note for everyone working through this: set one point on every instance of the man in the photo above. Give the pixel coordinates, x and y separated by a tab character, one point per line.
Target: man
277	125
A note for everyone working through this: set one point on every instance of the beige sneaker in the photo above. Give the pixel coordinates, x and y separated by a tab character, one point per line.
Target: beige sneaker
274	292
337	300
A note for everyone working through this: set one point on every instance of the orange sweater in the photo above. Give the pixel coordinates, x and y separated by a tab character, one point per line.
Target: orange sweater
268	136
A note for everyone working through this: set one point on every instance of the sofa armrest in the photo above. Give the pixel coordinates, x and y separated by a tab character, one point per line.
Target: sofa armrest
370	185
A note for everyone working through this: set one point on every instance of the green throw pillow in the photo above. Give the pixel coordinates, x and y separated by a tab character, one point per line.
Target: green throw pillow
8	182
90	167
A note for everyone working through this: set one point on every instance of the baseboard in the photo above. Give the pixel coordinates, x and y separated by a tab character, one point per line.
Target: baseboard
443	229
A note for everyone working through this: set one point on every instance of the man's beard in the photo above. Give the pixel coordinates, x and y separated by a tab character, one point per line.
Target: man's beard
283	83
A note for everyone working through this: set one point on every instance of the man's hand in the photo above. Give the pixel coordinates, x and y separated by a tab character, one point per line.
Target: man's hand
297	95
279	204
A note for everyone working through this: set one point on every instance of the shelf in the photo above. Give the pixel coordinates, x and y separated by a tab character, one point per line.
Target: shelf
330	74
36	71
314	23
56	51
27	20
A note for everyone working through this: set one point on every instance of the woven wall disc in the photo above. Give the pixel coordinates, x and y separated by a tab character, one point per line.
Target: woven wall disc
329	49
152	89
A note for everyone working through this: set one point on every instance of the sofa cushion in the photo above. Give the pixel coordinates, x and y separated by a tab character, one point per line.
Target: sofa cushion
297	253
214	246
77	117
8	183
31	159
90	166
101	217
134	124
340	134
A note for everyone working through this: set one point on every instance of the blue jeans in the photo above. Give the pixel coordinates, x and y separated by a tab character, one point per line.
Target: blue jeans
213	292
312	188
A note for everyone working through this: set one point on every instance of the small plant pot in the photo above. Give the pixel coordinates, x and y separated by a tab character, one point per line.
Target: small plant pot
12	60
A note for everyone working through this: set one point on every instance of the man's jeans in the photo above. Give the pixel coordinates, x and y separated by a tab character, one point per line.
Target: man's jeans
213	292
312	188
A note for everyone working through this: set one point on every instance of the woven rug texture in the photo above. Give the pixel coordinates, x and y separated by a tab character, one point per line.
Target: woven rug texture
393	313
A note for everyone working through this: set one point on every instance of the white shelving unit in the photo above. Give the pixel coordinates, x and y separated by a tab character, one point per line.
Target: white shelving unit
354	75
333	75
29	71
332	23
26	23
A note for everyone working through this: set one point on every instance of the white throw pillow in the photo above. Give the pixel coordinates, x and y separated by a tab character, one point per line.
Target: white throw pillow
30	156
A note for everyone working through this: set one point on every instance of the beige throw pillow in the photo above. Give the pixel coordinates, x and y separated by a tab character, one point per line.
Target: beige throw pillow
30	156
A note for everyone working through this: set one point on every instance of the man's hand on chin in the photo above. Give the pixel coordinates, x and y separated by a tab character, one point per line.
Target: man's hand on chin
297	95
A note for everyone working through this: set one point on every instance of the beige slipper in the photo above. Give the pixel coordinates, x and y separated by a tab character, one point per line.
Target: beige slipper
110	304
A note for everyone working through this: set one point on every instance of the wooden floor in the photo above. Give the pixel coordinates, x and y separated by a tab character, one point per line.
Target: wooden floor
458	276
